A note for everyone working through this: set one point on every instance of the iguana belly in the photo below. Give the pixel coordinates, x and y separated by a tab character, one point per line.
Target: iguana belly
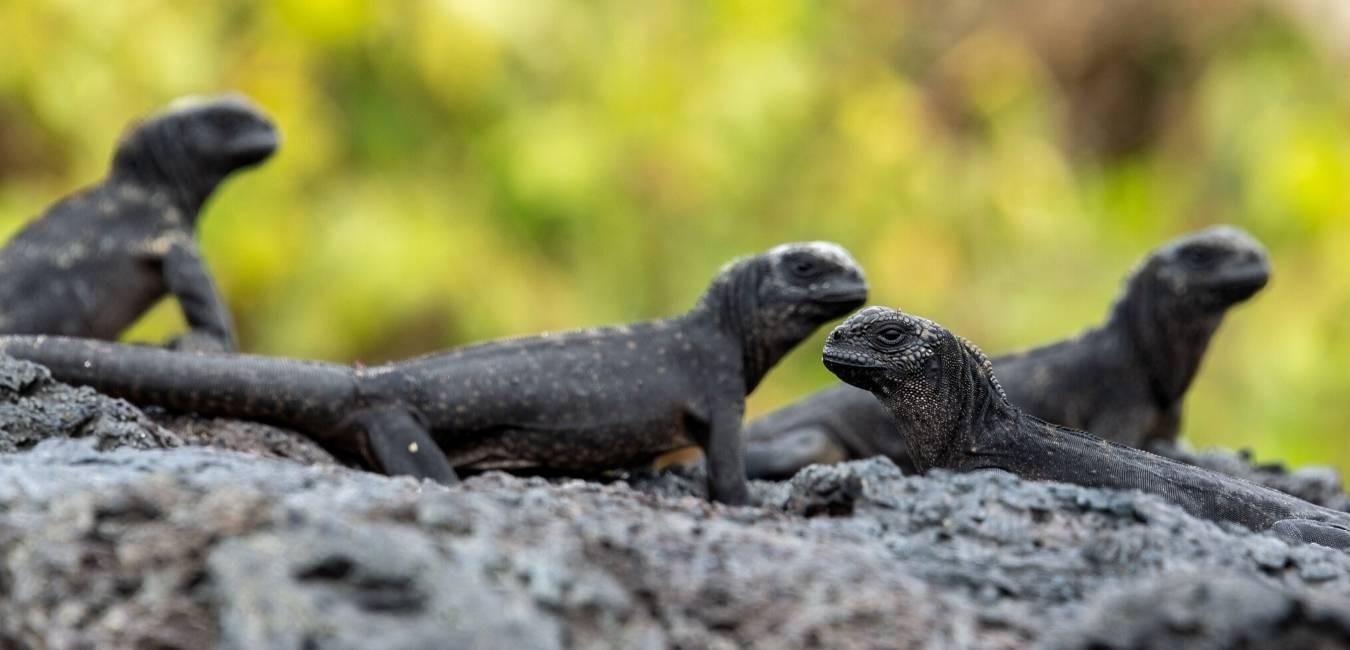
592	449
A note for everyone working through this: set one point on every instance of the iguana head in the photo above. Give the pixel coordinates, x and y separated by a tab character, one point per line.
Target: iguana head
1176	300
810	283
195	143
933	382
770	302
1206	271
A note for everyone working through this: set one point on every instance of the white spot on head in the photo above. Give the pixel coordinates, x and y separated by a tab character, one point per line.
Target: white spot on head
195	102
825	249
1231	237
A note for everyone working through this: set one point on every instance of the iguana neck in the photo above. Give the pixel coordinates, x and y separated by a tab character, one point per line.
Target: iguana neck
159	163
731	306
1168	340
945	440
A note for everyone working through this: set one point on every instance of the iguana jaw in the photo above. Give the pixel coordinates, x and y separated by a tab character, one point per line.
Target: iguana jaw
1239	284
846	299
251	148
852	367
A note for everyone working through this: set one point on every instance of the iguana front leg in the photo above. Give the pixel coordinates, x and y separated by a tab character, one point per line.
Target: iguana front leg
186	277
397	443
725	453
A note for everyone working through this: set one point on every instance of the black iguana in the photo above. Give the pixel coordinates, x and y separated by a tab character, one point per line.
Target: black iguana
1124	380
951	410
582	401
94	262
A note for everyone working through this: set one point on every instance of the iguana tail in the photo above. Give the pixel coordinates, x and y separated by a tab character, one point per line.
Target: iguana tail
302	394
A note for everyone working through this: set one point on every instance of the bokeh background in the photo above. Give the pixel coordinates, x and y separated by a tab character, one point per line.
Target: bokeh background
463	170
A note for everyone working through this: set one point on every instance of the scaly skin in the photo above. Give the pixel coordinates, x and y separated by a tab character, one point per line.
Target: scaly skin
951	410
94	262
583	401
1124	380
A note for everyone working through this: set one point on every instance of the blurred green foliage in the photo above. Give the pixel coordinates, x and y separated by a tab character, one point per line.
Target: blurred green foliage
462	170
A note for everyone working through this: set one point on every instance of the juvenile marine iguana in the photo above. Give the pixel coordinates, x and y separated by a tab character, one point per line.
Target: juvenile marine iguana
942	392
94	262
1124	380
582	401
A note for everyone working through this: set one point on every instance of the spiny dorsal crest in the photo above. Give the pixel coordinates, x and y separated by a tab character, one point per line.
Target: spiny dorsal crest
985	363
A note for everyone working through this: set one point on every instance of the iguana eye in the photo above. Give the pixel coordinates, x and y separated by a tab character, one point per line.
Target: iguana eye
805	268
1200	256
890	335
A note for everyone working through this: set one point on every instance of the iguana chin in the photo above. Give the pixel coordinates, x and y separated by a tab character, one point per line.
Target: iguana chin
583	401
94	262
1124	380
951	410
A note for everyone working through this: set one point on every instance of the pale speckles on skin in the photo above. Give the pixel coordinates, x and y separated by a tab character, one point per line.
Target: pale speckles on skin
132	193
160	246
71	256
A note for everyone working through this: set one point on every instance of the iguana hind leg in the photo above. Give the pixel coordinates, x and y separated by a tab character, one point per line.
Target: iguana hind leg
396	443
1314	532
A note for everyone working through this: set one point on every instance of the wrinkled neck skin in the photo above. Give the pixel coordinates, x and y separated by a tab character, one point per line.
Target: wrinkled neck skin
1168	338
731	306
157	161
965	411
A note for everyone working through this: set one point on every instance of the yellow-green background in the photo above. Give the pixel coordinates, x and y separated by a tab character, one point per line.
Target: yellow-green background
455	171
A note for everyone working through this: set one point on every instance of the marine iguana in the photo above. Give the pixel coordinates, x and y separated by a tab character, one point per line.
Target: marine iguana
1124	380
582	401
942	392
95	261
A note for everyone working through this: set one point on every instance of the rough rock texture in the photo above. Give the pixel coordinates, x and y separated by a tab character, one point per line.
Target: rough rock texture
242	435
194	546
34	407
1176	611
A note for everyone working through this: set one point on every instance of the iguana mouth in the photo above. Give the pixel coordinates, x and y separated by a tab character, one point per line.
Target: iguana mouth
253	147
851	367
852	296
1241	284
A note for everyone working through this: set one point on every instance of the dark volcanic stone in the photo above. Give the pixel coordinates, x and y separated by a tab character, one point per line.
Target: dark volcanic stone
1197	611
243	435
34	407
106	545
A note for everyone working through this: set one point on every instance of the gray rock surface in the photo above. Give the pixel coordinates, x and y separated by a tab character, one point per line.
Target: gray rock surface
243	435
34	407
104	543
194	547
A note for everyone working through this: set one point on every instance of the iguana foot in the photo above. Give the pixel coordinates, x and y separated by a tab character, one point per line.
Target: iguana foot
784	455
1313	532
400	445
